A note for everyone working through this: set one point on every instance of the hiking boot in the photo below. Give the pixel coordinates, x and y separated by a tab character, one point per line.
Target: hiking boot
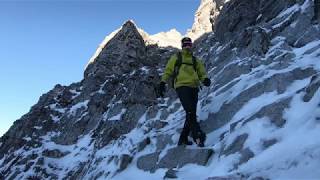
200	143
201	139
180	143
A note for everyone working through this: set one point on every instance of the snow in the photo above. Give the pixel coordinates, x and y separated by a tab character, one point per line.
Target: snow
77	106
55	108
27	138
288	13
118	116
38	127
170	38
76	93
294	157
306	5
145	69
54	118
101	91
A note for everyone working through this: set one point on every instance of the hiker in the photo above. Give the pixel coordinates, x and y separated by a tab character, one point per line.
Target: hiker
187	73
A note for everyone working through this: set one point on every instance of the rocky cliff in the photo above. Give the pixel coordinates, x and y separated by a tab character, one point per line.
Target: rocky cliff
261	113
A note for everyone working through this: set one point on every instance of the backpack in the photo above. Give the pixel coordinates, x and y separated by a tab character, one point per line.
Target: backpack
178	64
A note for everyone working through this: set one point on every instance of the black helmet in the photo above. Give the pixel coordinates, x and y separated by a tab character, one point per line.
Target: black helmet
186	41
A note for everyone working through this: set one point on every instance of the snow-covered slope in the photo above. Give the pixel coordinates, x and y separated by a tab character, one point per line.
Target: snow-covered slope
261	113
165	39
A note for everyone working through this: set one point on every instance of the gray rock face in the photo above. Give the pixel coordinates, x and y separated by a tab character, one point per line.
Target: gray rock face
163	141
143	144
236	146
125	160
174	158
273	111
312	88
171	174
148	162
54	153
237	176
278	82
238	14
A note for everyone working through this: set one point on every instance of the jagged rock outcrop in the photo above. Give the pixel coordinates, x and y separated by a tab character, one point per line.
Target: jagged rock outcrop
174	158
205	18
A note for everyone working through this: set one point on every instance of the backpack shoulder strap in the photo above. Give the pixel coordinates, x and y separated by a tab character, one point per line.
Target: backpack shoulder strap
194	63
179	60
176	68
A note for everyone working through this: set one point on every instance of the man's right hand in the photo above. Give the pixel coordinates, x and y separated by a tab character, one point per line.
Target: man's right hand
206	82
162	88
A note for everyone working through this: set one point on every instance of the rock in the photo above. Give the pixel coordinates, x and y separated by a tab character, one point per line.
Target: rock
157	124
237	176
246	154
273	111
307	36
236	145
174	158
277	82
163	140
180	156
241	14
143	144
34	177
125	160
171	174
148	162
203	24
267	143
312	88
253	41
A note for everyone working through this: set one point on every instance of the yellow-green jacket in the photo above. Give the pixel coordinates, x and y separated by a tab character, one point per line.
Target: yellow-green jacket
187	76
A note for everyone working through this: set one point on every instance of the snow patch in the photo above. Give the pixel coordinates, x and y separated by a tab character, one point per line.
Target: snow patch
55	108
27	138
76	93
37	127
80	105
54	118
118	116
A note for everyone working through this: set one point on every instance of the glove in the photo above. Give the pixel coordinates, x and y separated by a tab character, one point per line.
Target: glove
206	82
162	88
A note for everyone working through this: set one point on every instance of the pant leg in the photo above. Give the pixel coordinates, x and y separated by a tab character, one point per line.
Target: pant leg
194	125
316	10
189	98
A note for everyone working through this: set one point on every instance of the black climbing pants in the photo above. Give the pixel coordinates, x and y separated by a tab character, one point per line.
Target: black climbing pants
316	9
189	98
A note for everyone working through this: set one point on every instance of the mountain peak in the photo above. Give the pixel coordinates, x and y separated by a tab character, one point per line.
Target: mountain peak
205	17
129	24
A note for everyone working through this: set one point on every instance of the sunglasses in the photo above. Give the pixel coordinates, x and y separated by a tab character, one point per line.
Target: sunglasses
186	44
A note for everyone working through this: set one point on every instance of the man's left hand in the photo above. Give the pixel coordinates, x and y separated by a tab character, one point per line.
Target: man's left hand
206	82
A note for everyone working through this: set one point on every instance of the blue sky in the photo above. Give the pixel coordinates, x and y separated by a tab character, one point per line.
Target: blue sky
44	43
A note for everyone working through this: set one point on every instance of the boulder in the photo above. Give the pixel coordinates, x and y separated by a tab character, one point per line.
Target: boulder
174	158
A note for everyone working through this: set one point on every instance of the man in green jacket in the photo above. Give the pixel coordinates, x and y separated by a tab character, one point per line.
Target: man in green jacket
188	73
